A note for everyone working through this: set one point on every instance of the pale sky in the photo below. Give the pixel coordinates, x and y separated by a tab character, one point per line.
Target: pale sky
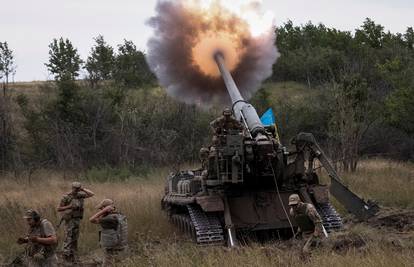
30	25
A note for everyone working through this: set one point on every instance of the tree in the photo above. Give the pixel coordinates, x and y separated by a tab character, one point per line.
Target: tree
64	60
261	100
311	53
400	109
371	34
351	116
100	63
1	64
409	37
7	65
132	69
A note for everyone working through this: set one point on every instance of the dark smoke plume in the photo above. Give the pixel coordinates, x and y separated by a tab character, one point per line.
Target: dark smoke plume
177	29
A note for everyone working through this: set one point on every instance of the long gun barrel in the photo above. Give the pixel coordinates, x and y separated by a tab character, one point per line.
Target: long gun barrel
242	109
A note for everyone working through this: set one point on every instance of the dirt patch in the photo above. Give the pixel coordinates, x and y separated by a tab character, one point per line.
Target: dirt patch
400	220
346	241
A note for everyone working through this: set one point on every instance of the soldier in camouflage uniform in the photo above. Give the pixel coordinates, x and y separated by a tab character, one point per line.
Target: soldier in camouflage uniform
113	237
308	220
41	241
220	127
71	207
204	154
223	124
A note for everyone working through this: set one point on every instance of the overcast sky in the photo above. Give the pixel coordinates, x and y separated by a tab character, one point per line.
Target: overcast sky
29	26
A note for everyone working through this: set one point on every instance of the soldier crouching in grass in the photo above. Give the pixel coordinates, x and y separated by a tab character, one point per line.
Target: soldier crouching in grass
41	241
113	235
71	206
309	223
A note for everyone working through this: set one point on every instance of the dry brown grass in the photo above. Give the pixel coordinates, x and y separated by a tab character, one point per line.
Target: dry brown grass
391	183
138	198
155	243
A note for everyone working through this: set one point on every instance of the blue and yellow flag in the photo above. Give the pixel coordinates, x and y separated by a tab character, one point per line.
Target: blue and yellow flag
268	119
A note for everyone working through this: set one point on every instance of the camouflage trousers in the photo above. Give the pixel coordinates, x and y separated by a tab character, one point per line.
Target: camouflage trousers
310	241
70	244
50	261
113	256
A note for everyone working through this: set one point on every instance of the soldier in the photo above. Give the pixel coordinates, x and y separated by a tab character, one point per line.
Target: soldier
71	207
113	235
203	154
223	124
308	220
41	241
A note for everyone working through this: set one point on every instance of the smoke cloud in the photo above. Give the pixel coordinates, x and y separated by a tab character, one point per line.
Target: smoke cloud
187	34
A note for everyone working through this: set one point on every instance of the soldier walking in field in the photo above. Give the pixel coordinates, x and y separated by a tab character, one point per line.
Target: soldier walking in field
71	207
114	231
41	241
309	222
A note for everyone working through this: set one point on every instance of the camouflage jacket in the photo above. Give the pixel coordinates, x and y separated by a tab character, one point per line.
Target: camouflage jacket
306	217
221	125
77	202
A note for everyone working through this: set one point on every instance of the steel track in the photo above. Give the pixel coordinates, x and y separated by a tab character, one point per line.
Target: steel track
331	219
203	228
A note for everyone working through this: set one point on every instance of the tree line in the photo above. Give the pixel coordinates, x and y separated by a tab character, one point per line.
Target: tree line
126	67
366	76
115	118
360	102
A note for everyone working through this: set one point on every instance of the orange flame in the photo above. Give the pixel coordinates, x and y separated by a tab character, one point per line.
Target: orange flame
227	32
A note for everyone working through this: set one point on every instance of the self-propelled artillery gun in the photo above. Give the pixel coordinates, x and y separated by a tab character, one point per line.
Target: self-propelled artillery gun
246	179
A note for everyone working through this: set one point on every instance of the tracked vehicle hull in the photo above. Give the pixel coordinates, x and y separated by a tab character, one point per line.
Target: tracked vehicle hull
225	215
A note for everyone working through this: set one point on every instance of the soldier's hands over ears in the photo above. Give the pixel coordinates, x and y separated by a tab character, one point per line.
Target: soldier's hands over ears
108	209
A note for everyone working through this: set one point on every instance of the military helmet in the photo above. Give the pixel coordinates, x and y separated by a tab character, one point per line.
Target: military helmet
227	112
32	214
105	203
76	185
294	199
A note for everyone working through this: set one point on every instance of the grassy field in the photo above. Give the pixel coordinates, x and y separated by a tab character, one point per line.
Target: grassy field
156	243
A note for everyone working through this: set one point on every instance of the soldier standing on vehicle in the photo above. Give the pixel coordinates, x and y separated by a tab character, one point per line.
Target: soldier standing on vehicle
203	154
223	124
204	157
41	241
308	220
113	236
71	207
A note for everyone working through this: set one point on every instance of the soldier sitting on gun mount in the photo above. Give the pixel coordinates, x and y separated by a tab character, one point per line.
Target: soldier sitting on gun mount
113	236
41	241
71	206
308	220
223	124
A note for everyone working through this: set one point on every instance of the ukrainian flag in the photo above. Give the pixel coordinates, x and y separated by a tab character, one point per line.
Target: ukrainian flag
268	119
